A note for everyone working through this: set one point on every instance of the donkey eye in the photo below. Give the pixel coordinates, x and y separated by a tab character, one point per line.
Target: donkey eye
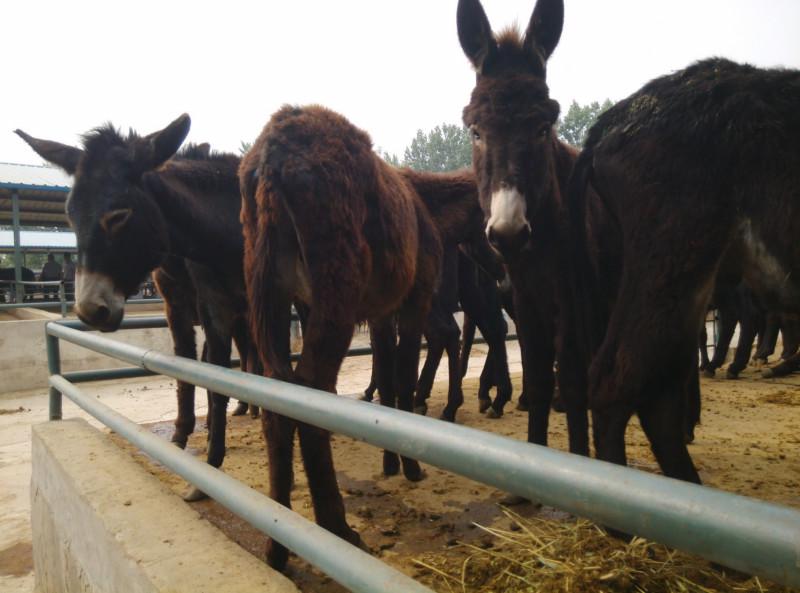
544	131
476	135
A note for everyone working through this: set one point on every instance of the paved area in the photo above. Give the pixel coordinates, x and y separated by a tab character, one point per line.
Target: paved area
143	401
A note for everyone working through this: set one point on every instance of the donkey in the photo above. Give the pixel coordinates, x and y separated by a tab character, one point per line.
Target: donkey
691	166
329	223
523	170
133	207
7	278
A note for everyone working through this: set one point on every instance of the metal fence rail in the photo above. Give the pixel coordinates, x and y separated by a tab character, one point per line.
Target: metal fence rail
62	302
743	533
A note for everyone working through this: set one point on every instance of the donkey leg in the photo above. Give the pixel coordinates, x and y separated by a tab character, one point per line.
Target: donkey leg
455	395
747	335
693	407
572	382
663	421
369	392
242	340
436	345
538	354
486	382
325	345
411	320
180	314
279	435
495	334
384	348
219	353
467	337
728	318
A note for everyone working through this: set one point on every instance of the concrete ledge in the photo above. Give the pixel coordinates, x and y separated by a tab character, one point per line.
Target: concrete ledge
101	523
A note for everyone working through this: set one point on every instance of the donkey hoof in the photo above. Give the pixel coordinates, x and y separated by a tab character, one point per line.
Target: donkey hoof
194	494
447	416
731	374
367	397
412	471
255	412
421	409
522	405
277	555
241	409
709	373
768	374
484	403
493	413
180	440
391	464
512	500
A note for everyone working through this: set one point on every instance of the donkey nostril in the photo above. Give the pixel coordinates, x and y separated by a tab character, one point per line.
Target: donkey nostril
102	314
523	235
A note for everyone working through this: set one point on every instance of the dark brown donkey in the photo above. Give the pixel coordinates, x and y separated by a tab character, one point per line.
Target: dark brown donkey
134	208
329	223
693	166
523	170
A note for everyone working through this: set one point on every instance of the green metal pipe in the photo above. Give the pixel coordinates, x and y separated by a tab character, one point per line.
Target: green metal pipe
118	373
106	374
746	534
346	564
20	289
54	368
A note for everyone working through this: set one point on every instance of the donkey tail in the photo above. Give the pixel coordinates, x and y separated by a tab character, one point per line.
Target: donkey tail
269	301
583	290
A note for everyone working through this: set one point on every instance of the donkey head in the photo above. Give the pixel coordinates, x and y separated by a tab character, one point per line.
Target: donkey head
121	232
511	117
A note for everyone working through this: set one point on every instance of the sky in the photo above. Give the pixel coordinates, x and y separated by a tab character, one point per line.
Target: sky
390	67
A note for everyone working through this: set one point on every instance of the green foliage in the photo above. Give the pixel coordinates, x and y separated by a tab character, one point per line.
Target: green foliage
390	158
244	147
574	126
445	148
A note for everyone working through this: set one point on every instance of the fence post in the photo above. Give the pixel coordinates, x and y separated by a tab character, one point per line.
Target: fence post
54	368
62	296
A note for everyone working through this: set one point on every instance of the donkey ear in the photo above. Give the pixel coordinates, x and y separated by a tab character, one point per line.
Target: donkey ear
61	155
474	32
154	149
114	220
544	29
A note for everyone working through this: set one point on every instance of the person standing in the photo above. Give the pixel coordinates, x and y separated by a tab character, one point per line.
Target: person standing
69	276
50	272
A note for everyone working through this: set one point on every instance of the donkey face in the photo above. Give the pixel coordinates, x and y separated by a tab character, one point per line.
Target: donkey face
511	117
120	230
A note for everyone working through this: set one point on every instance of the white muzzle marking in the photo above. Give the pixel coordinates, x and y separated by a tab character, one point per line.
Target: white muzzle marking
94	290
508	211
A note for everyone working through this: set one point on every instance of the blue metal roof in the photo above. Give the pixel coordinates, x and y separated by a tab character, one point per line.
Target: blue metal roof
33	177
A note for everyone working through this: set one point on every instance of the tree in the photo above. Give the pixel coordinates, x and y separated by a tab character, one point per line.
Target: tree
445	148
390	158
574	126
244	147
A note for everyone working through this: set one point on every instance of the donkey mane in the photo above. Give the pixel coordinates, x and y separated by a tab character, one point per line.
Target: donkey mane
712	86
103	138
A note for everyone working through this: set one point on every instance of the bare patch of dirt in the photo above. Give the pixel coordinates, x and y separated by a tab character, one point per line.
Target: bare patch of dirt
17	560
748	443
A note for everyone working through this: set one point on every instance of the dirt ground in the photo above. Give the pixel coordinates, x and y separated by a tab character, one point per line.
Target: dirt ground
748	443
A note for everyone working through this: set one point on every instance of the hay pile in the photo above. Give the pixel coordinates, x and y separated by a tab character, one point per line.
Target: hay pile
549	556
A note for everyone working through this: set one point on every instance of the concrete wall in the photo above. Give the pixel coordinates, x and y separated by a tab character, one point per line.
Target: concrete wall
101	523
23	358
